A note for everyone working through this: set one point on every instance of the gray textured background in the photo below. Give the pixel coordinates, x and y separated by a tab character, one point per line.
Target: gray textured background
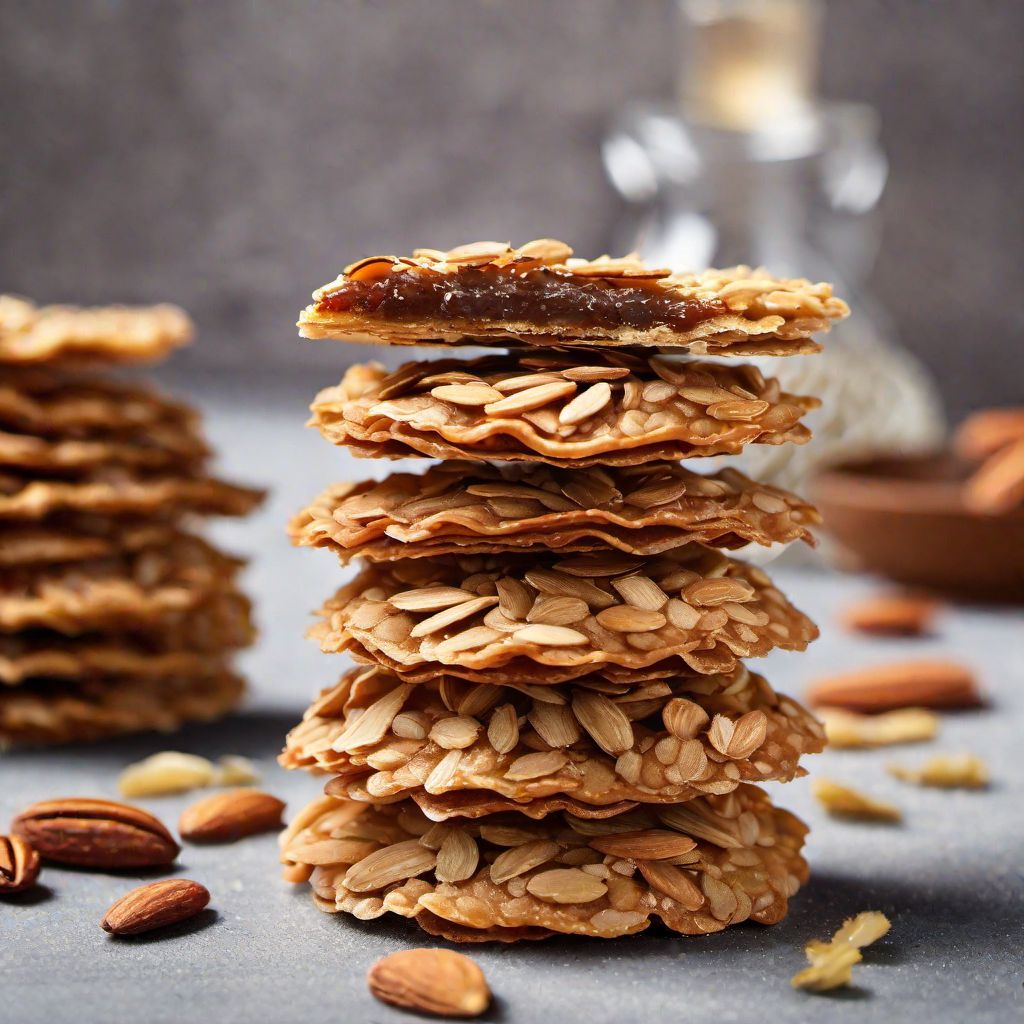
232	155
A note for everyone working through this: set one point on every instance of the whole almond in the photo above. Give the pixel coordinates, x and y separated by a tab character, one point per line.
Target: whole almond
905	684
225	817
100	834
155	906
19	865
431	981
891	615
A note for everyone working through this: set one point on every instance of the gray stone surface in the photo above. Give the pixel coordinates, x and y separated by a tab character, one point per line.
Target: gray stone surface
232	155
949	877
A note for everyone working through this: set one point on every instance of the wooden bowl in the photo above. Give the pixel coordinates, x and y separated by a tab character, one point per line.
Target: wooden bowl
904	518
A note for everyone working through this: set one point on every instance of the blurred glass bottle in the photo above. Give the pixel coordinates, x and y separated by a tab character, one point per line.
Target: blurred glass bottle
751	166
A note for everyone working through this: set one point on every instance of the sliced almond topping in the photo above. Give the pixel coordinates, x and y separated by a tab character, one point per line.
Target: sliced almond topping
555	724
455	733
566	885
520	859
514	598
748	734
430	599
550	636
536	766
457	858
648	844
684	718
623	618
558	611
604	720
503	729
445	618
392	864
586	404
641	592
530	398
373	724
675	883
467	394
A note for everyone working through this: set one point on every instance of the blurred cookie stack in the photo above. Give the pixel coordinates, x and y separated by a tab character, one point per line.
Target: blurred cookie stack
551	729
114	616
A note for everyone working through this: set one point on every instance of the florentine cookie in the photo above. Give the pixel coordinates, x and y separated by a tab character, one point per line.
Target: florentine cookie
699	867
53	404
476	508
482	612
189	644
63	712
467	744
489	293
119	491
31	334
133	590
623	410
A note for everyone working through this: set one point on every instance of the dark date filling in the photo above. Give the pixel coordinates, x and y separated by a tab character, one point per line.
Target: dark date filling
537	297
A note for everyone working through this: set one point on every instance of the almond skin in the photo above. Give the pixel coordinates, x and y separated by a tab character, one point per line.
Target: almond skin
437	981
905	684
225	817
100	834
19	865
155	906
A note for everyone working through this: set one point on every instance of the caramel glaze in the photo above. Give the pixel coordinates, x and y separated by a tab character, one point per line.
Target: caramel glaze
539	296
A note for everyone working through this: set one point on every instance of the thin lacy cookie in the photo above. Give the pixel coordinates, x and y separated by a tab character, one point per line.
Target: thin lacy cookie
475	508
53	404
489	293
622	410
140	590
48	713
468	749
699	867
187	645
481	613
122	492
31	334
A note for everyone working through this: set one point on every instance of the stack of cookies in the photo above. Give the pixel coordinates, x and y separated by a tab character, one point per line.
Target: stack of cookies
114	617
551	729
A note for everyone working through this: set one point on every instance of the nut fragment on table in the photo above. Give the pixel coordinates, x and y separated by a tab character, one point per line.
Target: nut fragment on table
904	725
832	962
225	817
19	865
171	771
891	615
101	834
167	772
156	905
946	771
922	683
437	981
845	802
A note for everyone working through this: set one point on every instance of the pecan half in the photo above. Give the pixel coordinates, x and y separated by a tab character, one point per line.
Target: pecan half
19	865
100	834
